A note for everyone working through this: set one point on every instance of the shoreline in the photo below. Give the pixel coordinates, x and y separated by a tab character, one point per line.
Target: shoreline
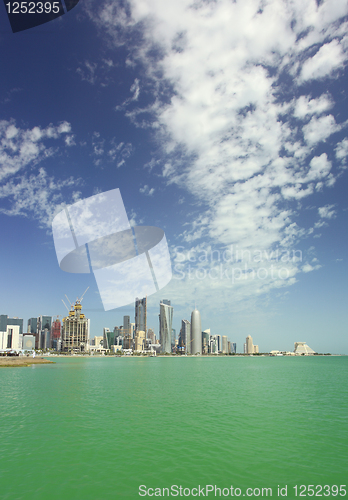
12	361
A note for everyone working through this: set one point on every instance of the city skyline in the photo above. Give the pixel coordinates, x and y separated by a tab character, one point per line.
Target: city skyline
73	335
191	339
223	124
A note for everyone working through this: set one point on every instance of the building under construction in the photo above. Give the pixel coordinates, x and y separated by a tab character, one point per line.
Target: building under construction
75	331
56	330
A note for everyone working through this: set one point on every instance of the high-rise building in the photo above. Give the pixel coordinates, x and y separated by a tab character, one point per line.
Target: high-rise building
43	337
107	341
56	331
213	344
6	321
196	332
219	343
140	341
165	325
140	315
249	345
233	348
119	331
151	336
185	336
224	344
75	331
173	339
127	333
32	326
10	338
205	341
126	325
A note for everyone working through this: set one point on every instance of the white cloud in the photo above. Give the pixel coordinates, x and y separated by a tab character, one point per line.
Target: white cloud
37	195
305	106
146	190
342	150
307	268
88	72
319	129
69	140
320	167
328	58
226	131
327	212
20	148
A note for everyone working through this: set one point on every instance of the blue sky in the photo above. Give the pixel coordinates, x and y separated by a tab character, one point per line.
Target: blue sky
223	123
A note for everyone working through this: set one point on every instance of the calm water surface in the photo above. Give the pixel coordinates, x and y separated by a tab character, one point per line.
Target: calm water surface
98	428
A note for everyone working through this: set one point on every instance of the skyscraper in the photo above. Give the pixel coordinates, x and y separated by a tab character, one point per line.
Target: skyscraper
140	315
56	331
6	321
108	338
44	324
75	332
196	332
151	336
32	326
173	339
249	345
205	341
224	344
165	325
126	325
185	339
219	343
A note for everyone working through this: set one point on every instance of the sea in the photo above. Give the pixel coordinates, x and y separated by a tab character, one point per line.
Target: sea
101	428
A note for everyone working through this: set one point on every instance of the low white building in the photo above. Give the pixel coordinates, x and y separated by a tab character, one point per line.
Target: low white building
11	338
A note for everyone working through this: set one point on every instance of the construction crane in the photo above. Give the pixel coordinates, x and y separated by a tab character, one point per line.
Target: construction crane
70	303
65	305
80	300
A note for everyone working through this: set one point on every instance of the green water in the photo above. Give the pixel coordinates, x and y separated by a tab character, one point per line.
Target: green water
99	428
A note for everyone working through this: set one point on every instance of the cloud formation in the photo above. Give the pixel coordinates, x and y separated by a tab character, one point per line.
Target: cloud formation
26	190
232	110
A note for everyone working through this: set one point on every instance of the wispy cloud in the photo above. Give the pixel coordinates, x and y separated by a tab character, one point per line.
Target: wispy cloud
96	72
110	151
146	190
237	125
20	148
37	195
25	191
327	212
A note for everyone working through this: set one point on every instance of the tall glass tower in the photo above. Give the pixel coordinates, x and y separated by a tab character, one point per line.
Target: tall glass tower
186	335
165	325
196	332
140	315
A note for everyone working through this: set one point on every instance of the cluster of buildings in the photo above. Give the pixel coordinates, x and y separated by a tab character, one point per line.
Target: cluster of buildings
136	337
44	332
72	335
192	340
